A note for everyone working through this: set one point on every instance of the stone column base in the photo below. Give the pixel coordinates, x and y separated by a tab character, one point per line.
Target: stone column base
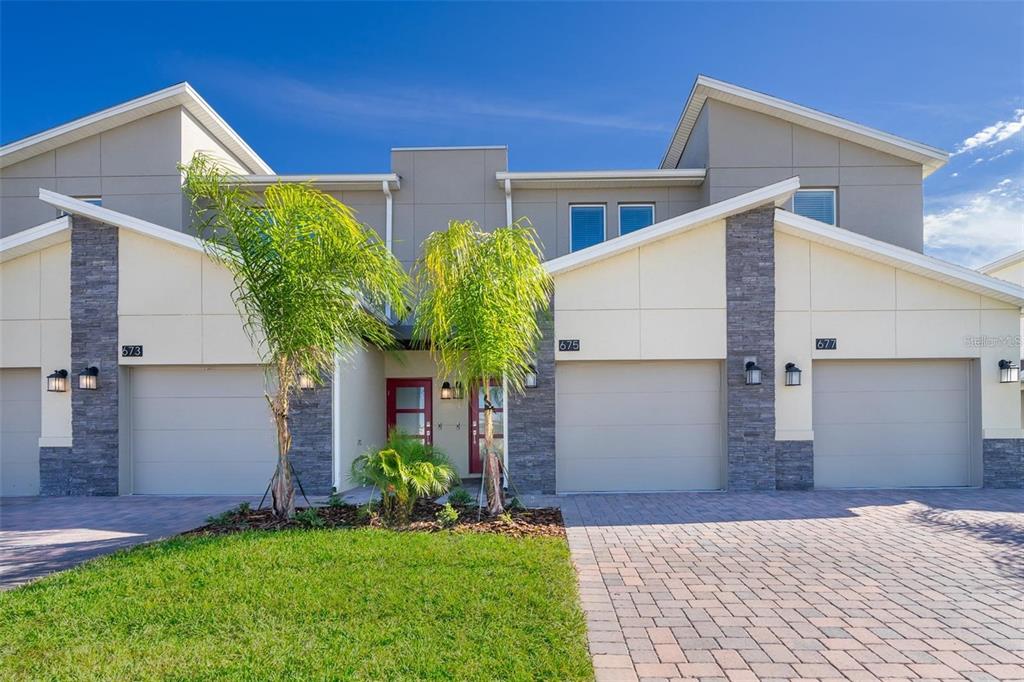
1003	462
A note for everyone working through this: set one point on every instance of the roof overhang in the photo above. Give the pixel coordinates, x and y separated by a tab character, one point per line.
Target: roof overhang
116	219
182	94
22	243
335	182
704	88
656	177
1004	262
896	256
776	194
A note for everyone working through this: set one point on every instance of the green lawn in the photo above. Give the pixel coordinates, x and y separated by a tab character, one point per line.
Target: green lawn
341	604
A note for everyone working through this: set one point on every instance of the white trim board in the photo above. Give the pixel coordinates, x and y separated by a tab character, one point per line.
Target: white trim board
326	181
109	217
930	158
182	94
776	194
899	257
656	177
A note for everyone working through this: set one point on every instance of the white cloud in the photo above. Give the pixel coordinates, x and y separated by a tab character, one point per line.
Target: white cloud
1005	152
993	134
975	229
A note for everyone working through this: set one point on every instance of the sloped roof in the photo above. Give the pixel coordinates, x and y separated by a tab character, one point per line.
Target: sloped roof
182	94
1004	262
57	231
776	194
899	257
704	88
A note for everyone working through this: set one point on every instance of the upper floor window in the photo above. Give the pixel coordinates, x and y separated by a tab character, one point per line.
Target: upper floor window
586	225
633	217
817	204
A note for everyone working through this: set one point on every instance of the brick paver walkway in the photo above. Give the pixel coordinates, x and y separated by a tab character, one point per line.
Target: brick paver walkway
40	535
885	585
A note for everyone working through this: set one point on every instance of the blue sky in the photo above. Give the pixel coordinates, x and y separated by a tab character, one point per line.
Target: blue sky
317	87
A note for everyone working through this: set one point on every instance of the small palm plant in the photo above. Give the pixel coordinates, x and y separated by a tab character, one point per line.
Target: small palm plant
404	470
310	280
480	294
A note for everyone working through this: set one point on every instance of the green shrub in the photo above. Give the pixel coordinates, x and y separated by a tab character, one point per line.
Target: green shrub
460	497
404	470
505	518
447	515
243	508
516	504
335	500
222	519
310	518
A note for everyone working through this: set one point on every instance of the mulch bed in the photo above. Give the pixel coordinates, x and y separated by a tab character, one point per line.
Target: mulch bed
543	522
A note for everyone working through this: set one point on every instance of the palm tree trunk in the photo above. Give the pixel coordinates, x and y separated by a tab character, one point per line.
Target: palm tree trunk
492	469
282	487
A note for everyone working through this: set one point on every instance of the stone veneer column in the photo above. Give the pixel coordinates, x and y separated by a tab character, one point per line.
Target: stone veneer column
750	332
1003	462
531	422
794	464
90	466
311	420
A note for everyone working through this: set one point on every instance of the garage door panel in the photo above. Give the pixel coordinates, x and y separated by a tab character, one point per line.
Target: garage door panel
200	445
216	478
609	475
861	471
198	382
891	423
629	442
226	412
652	376
20	425
694	407
890	407
200	430
649	425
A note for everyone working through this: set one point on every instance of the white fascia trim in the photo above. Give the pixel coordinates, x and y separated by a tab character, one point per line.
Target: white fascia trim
777	194
35	238
450	149
181	94
557	179
1004	262
897	256
930	158
105	215
350	181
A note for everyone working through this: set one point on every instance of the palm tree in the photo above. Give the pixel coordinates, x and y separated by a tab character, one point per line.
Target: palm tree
309	282
480	294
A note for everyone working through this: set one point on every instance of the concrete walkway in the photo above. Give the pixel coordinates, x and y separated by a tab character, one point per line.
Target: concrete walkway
811	586
40	535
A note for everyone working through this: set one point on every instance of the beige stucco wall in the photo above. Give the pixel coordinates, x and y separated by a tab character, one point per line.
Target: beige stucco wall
661	301
1011	273
361	414
177	304
877	311
450	417
35	328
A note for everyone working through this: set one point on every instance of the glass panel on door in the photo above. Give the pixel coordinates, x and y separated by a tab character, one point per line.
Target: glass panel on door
409	407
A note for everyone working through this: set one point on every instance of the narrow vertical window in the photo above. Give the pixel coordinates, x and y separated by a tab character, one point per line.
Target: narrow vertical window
633	217
586	226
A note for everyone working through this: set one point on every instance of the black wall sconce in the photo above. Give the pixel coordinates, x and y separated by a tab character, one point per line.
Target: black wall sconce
88	378
753	373
451	392
1009	372
58	381
792	374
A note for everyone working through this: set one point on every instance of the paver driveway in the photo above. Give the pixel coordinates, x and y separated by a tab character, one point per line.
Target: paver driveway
818	585
40	535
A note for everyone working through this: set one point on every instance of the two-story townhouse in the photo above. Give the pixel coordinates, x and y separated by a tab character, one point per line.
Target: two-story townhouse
772	237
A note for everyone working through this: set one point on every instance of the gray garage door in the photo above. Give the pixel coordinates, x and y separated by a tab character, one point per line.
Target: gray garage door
892	423
652	425
200	430
19	431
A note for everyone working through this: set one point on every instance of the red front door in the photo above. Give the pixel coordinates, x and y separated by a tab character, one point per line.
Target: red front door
408	407
476	426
